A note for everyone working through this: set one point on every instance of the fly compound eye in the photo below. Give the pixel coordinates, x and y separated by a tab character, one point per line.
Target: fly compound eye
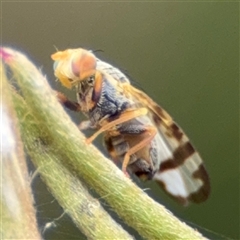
90	80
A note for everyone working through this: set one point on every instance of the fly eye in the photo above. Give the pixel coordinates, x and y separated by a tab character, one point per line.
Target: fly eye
90	80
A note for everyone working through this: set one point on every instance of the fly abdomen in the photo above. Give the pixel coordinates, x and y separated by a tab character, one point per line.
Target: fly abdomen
120	146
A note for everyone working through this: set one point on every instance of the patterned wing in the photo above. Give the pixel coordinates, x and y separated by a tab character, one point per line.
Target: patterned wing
182	174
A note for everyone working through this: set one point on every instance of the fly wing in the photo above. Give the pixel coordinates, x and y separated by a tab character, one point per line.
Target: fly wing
181	172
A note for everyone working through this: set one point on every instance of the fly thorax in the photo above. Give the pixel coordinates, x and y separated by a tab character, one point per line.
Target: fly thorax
110	102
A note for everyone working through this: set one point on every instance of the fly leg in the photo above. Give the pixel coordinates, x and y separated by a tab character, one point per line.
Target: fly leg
124	117
74	106
149	134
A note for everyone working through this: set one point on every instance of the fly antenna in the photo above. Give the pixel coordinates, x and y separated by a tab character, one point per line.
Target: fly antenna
55	48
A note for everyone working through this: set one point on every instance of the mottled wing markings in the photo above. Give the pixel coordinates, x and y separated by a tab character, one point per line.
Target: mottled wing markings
182	174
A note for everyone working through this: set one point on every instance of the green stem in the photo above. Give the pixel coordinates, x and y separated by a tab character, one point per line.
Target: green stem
86	212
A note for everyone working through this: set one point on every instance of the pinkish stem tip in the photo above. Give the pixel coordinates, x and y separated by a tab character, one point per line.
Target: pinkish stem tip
4	54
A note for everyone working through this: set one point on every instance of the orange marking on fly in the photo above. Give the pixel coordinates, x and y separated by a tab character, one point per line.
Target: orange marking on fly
138	132
73	65
97	87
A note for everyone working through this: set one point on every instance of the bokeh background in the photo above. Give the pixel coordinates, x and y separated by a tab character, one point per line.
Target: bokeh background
185	55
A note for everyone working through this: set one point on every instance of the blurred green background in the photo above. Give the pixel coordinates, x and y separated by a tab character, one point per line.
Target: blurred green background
185	55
